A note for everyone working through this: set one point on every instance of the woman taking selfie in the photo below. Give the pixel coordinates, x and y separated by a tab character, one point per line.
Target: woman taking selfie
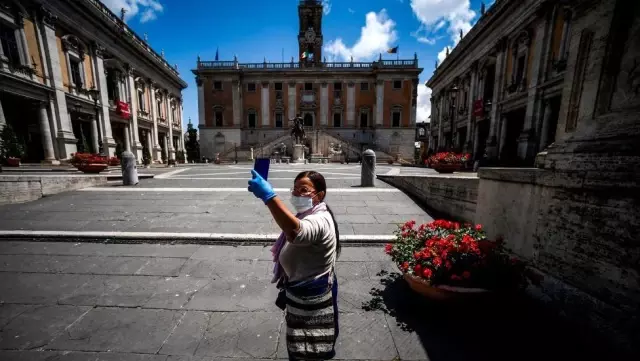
305	256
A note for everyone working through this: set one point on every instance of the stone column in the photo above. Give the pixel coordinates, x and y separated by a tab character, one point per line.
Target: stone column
171	150
468	146
108	143
156	150
503	135
94	135
237	103
379	102
544	133
149	141
45	130
292	100
200	84
476	143
3	120
324	104
133	104
414	102
127	139
264	105
492	141
351	104
166	147
66	141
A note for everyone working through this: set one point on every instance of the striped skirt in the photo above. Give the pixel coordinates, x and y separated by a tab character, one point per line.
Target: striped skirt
312	319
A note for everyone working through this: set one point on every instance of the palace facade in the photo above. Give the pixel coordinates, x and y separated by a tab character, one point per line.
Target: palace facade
348	105
75	78
499	91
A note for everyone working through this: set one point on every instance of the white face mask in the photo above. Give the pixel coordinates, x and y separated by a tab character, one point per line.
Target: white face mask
301	204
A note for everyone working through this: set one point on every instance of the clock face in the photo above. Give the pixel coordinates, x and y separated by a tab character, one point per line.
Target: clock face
310	35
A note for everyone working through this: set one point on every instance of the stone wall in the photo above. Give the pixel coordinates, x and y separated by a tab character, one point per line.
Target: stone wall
445	196
26	188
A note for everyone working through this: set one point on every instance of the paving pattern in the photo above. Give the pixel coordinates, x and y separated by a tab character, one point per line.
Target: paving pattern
213	199
86	301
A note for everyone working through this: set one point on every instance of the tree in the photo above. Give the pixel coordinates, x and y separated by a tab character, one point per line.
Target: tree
192	146
10	144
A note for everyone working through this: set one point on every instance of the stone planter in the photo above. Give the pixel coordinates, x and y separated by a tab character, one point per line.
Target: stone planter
13	162
92	168
442	292
446	168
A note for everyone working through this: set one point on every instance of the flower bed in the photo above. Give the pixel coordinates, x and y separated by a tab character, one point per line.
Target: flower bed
447	162
454	258
89	163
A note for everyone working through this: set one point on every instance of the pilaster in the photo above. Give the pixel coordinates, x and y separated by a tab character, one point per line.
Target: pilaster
45	130
156	152
492	142
324	103
379	102
133	104
108	143
292	100
237	103
264	105
414	102
172	151
468	145
201	120
351	104
66	141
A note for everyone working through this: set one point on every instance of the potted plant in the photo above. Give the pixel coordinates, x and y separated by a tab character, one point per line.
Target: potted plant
447	162
443	260
114	161
11	148
89	163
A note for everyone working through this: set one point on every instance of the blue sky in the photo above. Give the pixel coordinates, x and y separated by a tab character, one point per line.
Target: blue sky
256	29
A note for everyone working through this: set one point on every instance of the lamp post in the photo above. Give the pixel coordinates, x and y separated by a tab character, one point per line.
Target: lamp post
95	94
453	92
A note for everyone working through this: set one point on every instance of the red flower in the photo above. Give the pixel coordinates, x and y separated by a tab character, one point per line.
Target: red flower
466	274
427	273
437	261
417	255
405	266
417	270
448	265
388	248
478	227
456	278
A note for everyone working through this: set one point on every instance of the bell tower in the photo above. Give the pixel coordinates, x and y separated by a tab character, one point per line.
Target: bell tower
310	35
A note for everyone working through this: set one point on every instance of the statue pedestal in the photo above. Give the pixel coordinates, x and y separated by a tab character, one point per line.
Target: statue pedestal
298	153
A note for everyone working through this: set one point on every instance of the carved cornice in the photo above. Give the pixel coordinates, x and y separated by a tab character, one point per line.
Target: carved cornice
199	80
98	50
265	84
72	43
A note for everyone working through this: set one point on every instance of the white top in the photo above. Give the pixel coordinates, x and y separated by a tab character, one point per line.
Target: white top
312	252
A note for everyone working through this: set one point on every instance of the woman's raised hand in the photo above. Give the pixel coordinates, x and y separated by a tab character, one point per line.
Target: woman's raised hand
260	187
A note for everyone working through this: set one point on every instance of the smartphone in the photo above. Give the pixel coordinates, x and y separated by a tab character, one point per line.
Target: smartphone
261	166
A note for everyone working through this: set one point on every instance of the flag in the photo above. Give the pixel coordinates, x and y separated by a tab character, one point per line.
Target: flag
216	54
393	50
305	55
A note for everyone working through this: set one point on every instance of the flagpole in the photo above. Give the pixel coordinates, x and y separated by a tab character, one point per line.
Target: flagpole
398	53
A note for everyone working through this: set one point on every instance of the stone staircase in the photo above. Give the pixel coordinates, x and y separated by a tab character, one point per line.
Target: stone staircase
381	154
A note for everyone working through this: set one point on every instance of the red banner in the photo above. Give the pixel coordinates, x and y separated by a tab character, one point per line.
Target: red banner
122	109
478	108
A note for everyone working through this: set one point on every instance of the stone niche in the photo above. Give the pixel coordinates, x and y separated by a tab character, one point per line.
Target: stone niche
576	217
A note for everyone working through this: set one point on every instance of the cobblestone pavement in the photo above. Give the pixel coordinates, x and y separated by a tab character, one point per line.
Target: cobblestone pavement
213	199
88	301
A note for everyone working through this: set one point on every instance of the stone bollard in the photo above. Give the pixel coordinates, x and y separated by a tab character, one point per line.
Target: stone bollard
368	170
129	171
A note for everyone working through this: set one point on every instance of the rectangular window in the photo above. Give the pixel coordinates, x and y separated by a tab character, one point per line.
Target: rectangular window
219	118
337	86
364	87
308	86
217	85
397	84
278	120
251	87
252	120
337	93
337	120
520	69
9	44
277	86
395	117
364	120
76	78
112	86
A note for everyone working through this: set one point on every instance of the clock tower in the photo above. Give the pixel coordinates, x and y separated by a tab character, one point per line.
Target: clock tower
310	35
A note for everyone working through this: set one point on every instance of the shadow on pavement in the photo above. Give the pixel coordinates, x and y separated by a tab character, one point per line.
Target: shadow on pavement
489	328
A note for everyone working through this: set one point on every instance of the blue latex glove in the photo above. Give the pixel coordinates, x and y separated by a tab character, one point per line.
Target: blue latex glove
260	187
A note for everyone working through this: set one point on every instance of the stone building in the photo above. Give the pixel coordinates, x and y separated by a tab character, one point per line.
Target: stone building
74	77
355	105
500	89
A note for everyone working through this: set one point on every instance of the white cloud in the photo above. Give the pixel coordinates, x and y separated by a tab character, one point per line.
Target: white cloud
425	40
326	7
376	36
148	9
434	15
442	54
351	10
423	110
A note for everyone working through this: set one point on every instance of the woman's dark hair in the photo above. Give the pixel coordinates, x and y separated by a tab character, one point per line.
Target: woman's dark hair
321	186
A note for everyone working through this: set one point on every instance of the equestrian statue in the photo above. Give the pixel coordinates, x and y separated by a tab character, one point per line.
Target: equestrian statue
297	131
